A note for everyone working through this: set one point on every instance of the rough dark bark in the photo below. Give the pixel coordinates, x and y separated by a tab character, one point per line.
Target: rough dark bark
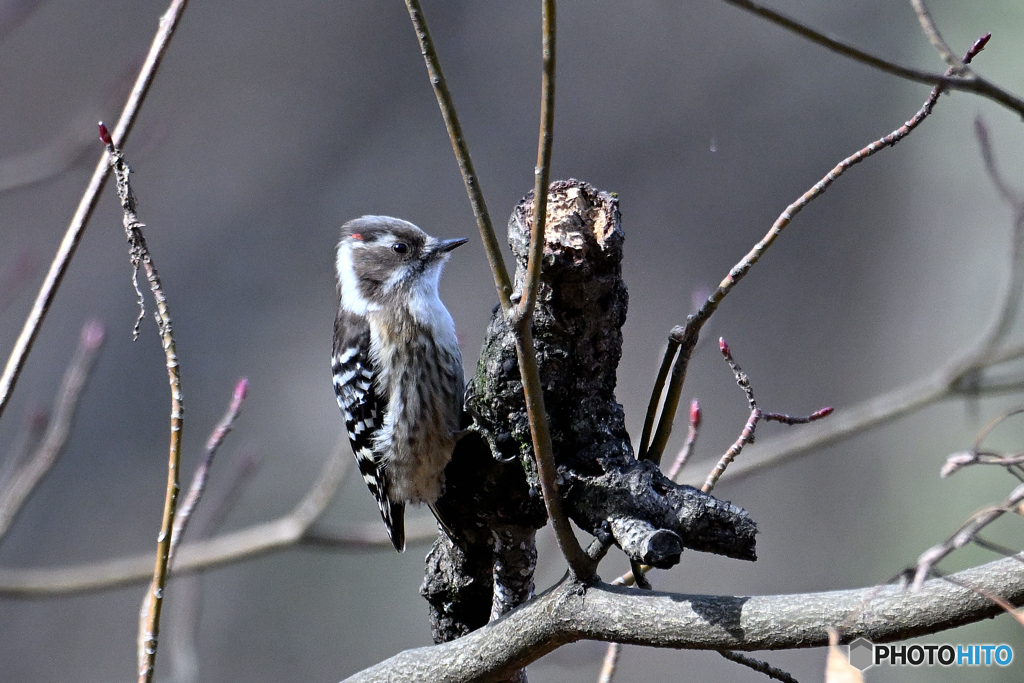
494	502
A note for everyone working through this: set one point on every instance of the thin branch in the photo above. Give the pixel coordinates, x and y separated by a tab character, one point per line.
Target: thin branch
199	478
227	548
972	83
149	621
61	261
756	415
656	394
451	122
691	440
523	311
181	647
758	666
28	475
931	31
961	376
521	319
568	613
746	436
689	334
27	439
1011	197
967	532
610	663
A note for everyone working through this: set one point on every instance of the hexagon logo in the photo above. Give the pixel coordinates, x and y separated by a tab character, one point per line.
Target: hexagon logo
862	654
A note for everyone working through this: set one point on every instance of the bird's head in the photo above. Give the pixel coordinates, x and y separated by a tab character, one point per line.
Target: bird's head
383	260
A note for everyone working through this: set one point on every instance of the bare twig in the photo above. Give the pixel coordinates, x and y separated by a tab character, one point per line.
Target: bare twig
691	440
1011	197
758	666
580	563
961	376
964	535
610	663
16	361
931	31
520	316
451	122
183	621
199	478
746	436
149	622
235	546
29	436
657	392
688	335
972	83
976	456
542	172
756	415
31	472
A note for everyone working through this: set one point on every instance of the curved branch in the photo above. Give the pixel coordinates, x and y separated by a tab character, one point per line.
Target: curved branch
961	376
970	83
231	547
571	612
688	335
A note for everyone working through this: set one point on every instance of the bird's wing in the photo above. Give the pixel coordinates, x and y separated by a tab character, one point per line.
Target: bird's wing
363	408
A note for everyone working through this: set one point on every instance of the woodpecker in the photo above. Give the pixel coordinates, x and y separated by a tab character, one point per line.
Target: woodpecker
396	363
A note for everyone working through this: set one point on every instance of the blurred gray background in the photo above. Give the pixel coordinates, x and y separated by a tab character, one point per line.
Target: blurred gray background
272	123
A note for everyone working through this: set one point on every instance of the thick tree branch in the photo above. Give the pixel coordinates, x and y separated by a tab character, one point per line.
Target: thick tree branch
571	612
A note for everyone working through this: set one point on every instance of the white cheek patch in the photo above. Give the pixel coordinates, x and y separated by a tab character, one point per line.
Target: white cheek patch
352	299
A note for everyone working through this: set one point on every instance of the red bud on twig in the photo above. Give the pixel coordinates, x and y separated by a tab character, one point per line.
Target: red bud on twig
695	414
241	389
978	46
824	412
105	135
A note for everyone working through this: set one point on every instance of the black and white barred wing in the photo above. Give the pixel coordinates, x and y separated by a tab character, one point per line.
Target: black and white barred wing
363	409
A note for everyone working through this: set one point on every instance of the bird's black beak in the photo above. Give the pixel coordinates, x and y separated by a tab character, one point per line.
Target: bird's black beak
444	246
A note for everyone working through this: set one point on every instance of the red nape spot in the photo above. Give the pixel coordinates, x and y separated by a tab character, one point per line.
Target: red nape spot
357	236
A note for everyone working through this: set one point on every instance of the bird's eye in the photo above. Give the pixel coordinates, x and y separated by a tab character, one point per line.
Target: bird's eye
400	247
